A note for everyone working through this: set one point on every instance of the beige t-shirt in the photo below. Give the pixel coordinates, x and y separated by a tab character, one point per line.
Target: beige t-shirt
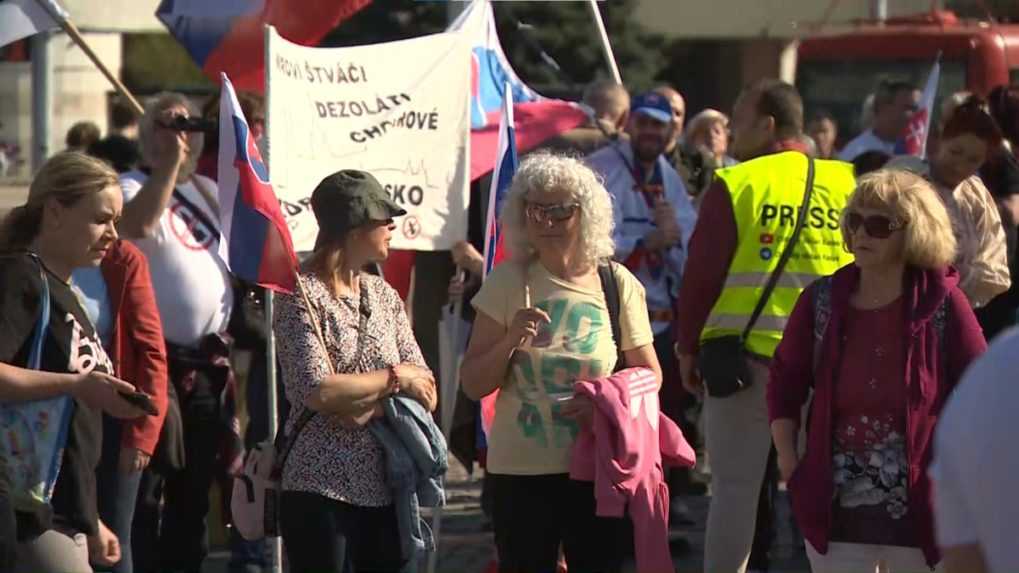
529	435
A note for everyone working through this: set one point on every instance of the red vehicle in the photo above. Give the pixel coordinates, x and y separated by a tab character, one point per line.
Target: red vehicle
836	72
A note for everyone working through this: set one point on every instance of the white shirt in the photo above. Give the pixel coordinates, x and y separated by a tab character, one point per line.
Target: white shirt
866	141
191	281
634	220
976	460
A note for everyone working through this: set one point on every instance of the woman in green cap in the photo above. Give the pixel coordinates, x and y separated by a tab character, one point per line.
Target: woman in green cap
337	512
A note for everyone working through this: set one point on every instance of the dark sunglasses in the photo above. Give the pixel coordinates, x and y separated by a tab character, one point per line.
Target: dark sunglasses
555	213
877	226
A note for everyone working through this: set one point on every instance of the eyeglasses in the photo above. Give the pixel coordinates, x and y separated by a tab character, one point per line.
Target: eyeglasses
558	213
877	226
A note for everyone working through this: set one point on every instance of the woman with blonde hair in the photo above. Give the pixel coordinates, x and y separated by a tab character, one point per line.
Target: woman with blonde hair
542	324
882	343
709	130
68	222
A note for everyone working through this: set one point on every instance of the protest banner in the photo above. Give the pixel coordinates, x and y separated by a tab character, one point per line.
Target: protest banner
398	110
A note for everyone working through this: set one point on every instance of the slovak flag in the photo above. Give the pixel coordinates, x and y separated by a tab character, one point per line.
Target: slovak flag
254	239
227	36
920	124
537	118
505	167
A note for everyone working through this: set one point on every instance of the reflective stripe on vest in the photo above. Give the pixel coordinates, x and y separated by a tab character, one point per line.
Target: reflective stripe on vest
767	194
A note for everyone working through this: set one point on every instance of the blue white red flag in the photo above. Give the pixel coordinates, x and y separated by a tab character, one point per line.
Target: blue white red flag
505	168
502	176
537	118
254	239
920	124
228	35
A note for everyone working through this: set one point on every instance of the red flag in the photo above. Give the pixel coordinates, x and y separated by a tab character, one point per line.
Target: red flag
920	123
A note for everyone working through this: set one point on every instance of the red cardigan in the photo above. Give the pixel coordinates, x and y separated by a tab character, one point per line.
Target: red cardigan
930	377
136	348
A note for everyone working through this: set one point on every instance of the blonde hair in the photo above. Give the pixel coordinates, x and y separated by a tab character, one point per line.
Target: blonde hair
66	177
701	124
544	172
929	240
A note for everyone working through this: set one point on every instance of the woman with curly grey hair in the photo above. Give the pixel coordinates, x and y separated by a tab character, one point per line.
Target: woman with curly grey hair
542	325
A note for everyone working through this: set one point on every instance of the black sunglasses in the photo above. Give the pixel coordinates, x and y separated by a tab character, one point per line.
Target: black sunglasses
877	226
556	213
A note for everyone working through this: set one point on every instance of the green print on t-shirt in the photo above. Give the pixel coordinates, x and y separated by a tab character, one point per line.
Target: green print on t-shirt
571	336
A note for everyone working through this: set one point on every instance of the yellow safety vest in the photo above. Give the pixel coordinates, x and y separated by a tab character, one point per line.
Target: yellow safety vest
767	193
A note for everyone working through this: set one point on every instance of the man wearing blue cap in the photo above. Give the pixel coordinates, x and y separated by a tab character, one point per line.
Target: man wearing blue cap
654	220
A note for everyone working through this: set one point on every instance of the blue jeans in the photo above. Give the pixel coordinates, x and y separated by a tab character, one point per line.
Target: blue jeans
117	494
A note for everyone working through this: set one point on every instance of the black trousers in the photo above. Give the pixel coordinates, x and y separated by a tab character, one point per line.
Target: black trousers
322	535
764	531
675	403
176	540
534	515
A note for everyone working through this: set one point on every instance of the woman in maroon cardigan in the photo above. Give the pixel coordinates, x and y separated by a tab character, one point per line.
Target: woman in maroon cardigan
121	302
897	335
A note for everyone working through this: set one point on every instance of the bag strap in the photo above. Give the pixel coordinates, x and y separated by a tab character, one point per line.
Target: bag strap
787	253
42	324
610	288
821	299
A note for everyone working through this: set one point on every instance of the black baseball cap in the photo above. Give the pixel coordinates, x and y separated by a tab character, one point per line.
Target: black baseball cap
349	199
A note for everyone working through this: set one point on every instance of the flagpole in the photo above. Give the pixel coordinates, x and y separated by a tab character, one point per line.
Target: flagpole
68	26
275	543
610	58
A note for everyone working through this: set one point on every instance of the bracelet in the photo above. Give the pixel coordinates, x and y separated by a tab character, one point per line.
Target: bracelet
393	383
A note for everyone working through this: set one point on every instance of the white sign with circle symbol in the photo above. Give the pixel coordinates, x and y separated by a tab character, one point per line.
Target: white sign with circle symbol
411	227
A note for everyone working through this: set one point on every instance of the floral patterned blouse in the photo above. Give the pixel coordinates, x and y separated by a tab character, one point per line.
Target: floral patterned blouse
869	459
329	460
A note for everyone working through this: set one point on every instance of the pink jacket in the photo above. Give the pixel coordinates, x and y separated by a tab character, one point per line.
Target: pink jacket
623	453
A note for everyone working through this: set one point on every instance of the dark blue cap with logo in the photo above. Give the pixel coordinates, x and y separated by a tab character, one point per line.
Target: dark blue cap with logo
652	105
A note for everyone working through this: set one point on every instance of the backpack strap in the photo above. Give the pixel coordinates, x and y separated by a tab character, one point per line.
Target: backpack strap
610	288
821	298
43	322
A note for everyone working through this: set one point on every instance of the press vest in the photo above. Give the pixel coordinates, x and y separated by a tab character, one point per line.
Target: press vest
767	194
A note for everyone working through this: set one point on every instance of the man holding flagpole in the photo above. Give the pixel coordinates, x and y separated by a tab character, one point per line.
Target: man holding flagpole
895	103
172	215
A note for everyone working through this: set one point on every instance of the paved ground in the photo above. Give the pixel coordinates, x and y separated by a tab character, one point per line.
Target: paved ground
467	547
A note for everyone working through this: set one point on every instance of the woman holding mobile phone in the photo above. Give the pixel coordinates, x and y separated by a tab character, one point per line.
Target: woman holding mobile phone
542	325
67	222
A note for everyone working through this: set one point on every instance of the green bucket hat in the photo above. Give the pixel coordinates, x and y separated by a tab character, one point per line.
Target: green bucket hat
349	199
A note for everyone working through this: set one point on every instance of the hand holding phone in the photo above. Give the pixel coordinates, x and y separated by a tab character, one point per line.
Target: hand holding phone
142	401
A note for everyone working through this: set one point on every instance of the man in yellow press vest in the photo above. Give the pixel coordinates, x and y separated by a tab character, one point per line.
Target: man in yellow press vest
746	220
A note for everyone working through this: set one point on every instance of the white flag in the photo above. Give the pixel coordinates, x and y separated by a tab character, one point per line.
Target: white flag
22	18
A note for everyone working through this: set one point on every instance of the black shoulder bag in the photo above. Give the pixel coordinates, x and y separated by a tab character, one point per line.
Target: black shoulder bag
610	288
723	360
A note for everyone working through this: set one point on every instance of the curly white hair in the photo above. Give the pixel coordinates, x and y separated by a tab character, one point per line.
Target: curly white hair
545	172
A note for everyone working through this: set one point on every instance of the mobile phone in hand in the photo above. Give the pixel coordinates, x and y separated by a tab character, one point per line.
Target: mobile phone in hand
142	401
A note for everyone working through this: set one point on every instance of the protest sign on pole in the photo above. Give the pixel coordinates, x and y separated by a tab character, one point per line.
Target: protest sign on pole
398	110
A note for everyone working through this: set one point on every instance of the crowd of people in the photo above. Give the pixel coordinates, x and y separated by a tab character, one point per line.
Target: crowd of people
736	291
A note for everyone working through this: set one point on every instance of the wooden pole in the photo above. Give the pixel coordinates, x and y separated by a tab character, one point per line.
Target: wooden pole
68	26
